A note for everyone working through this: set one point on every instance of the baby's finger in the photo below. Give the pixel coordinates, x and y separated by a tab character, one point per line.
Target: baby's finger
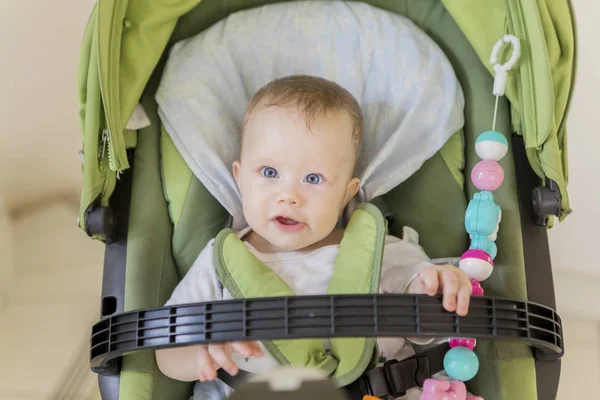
450	289
248	349
221	355
464	294
207	369
210	370
256	350
429	279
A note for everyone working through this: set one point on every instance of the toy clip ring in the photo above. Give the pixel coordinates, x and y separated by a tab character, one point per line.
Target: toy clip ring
502	69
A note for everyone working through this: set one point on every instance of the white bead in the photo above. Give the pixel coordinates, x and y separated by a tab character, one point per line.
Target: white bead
491	150
476	268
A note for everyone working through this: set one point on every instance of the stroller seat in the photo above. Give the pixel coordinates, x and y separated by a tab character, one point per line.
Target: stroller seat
164	215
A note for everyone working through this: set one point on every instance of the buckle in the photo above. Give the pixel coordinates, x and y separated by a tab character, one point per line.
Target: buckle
394	378
406	374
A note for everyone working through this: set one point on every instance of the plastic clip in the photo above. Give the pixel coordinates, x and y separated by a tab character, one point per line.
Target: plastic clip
502	69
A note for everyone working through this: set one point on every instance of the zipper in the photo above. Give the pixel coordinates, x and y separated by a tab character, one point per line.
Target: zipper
111	139
105	137
106	149
105	134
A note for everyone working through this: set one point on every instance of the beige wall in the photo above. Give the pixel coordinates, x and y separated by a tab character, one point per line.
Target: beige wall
6	253
40	136
575	242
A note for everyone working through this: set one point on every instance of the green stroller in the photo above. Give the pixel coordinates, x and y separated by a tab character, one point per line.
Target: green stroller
140	197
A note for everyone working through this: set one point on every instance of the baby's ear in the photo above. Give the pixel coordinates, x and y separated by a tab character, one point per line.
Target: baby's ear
236	171
351	190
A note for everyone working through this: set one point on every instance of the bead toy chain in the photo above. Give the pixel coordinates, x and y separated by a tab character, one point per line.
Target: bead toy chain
482	221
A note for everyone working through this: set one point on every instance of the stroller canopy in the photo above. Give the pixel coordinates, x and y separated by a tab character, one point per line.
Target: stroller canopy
125	40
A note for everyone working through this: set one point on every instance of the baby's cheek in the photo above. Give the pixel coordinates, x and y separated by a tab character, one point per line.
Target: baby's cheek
327	217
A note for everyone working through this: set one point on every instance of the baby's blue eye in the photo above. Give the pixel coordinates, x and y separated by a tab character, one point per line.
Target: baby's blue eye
269	172
313	179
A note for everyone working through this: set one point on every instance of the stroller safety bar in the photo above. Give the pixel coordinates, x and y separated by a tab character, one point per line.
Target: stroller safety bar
299	317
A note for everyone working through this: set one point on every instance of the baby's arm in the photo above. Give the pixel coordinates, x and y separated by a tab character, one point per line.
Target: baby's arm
202	362
191	363
180	363
406	268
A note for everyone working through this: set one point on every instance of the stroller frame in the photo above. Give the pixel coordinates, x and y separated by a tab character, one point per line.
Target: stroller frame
109	342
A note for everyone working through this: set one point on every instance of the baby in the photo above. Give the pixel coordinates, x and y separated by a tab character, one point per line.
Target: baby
300	142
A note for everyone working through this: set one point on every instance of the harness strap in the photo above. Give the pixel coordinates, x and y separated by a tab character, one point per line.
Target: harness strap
394	378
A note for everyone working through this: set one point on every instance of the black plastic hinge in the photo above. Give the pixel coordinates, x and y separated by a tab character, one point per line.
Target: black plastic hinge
109	368
546	201
101	221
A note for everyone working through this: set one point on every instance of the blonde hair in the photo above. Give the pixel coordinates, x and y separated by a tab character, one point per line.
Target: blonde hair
312	96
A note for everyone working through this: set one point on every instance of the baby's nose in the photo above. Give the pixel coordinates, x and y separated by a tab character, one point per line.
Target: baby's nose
290	196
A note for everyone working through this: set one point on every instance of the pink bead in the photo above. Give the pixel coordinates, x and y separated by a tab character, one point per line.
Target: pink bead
479	254
487	175
438	389
477	289
461	342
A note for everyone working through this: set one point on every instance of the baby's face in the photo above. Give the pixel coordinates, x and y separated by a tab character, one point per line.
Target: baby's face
295	181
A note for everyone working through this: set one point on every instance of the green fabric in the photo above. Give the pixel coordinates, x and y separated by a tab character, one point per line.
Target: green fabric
541	86
502	359
176	175
417	201
148	386
245	276
202	219
357	270
453	155
131	36
196	215
98	182
440	219
151	275
362	245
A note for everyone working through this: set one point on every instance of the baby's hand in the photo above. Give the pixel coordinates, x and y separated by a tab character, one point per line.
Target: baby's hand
218	355
449	280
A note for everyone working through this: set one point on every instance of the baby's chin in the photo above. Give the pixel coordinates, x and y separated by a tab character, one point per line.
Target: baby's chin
291	244
272	239
286	241
295	241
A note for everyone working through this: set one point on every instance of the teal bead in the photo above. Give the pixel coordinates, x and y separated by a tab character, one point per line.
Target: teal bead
461	364
492	136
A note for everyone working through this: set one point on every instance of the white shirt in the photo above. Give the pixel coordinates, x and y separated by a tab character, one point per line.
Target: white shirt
308	273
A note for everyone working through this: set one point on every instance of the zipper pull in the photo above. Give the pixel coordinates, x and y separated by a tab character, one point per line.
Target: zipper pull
103	144
110	152
107	149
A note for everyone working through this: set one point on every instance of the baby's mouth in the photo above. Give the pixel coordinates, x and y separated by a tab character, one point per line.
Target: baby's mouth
288	225
286	221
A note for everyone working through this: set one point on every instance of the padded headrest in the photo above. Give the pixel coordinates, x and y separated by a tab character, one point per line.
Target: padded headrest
411	99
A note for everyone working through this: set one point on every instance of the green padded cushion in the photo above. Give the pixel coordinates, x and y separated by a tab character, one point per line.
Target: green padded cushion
151	275
432	201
